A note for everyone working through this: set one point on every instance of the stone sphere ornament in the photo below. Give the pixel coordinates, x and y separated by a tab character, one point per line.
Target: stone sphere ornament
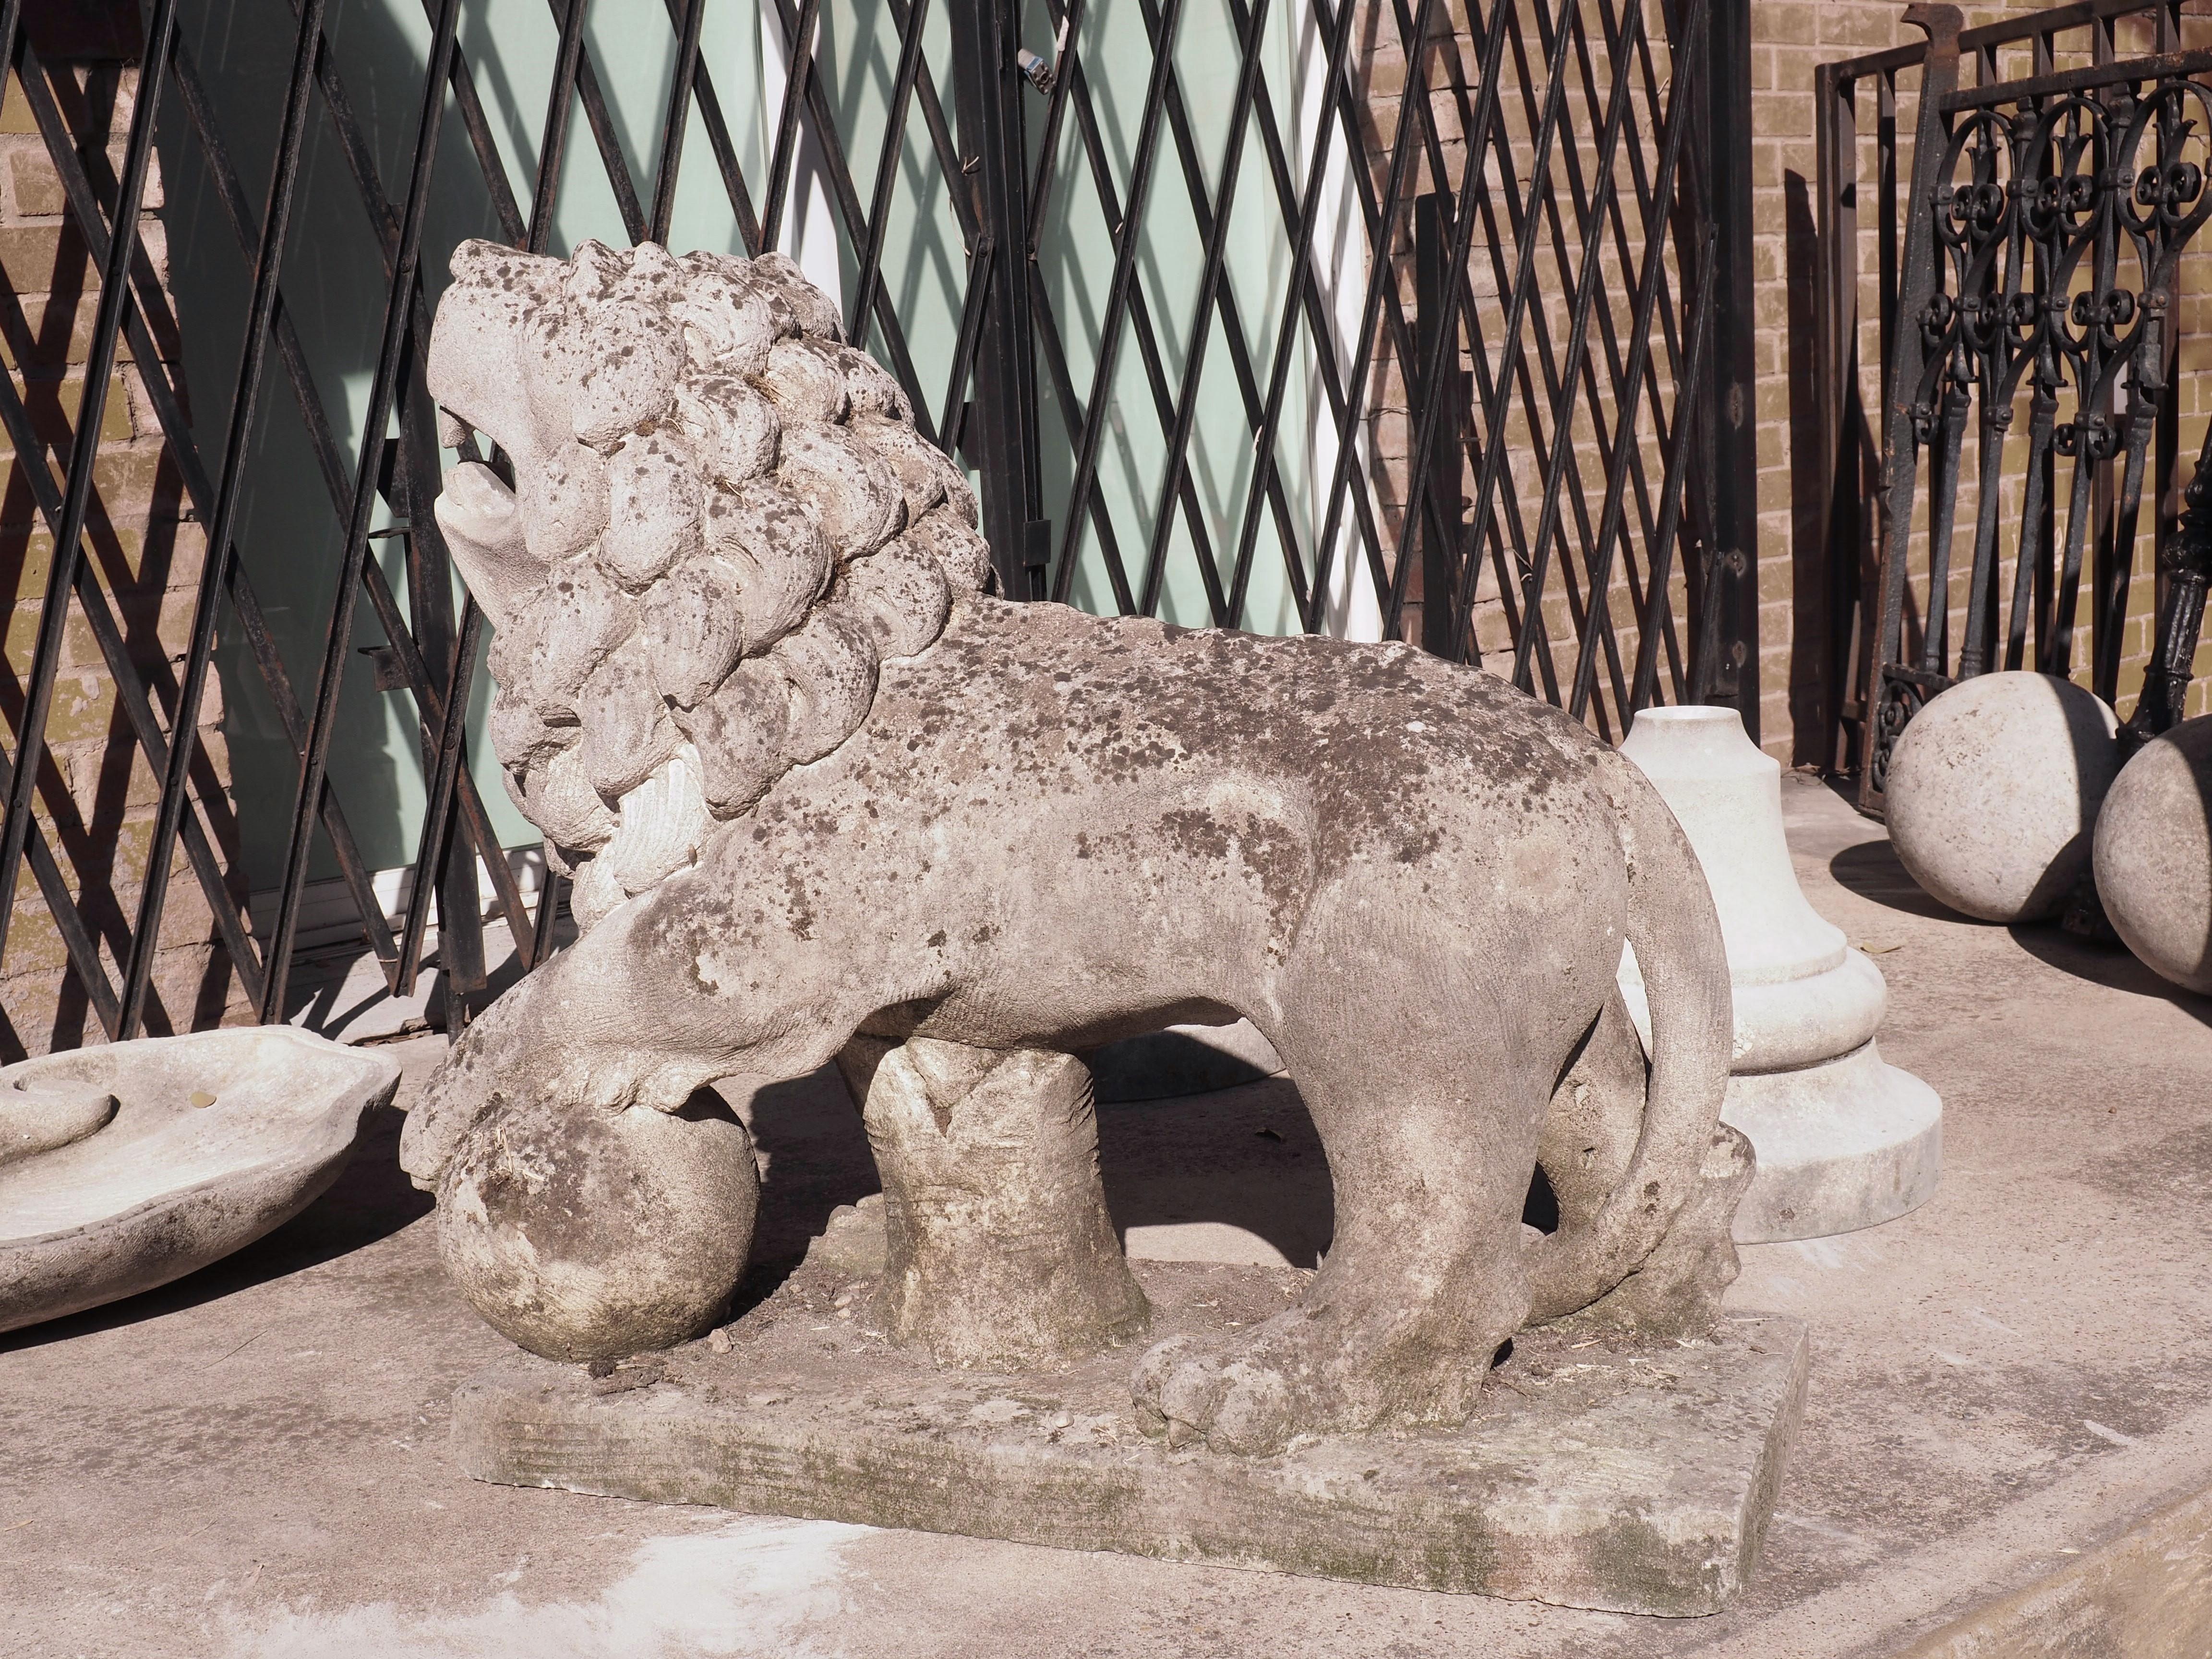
598	1235
2154	855
1993	791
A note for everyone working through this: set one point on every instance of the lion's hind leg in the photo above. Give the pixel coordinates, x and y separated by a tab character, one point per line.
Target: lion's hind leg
1430	1149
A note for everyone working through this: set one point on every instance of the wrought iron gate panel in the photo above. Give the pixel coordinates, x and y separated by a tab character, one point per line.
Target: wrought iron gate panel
1499	403
2035	256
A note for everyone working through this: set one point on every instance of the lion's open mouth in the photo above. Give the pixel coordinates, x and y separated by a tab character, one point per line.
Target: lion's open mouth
483	527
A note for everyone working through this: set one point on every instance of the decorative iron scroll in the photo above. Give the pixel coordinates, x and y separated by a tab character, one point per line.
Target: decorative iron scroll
2043	234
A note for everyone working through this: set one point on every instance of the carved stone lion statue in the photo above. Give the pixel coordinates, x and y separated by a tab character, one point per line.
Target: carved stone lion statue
824	797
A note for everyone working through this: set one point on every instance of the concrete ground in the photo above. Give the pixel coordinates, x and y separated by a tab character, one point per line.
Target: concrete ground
252	1461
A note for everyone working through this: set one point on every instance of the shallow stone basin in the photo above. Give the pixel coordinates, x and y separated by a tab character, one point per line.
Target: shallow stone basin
217	1139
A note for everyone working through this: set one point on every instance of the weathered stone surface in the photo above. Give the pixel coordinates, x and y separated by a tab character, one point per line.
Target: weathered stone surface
2154	854
1597	1475
2145	1594
1993	791
1849	1143
591	1238
215	1139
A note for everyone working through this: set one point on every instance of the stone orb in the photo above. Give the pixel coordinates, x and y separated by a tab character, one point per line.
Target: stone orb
592	1234
1994	788
2154	851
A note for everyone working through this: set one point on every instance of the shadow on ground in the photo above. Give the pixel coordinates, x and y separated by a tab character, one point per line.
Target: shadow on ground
1246	1158
1872	871
2111	966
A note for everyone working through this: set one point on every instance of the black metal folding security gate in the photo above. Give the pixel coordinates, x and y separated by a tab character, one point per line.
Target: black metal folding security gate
1542	463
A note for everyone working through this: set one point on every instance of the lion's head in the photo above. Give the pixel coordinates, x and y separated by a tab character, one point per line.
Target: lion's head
722	520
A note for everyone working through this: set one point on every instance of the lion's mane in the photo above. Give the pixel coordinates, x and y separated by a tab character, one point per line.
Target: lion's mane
743	525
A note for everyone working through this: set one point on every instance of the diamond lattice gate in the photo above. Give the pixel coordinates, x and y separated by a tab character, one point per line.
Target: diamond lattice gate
1416	319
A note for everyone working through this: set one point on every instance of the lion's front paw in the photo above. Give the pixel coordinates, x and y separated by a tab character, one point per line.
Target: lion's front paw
1240	1401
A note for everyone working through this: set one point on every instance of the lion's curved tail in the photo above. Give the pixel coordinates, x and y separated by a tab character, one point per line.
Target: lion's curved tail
1677	935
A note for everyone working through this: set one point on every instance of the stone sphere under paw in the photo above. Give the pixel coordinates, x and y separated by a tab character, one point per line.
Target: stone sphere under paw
2154	855
592	1234
1993	790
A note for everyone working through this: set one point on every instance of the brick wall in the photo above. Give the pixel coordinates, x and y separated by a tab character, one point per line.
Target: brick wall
97	794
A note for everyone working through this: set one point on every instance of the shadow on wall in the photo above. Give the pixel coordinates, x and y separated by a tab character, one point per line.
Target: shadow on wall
290	531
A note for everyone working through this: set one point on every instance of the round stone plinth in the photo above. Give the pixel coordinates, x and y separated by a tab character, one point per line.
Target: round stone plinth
2153	853
1993	790
1843	1145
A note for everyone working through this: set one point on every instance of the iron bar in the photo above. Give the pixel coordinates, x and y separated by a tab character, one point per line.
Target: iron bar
1643	685
799	64
470	108
1380	275
1351	116
132	694
398	317
2039	27
430	716
940	140
1232	327
2133	72
77	494
1140	319
1516	305
1201	330
678	117
987	88
1287	331
952	422
725	156
879	205
1631	383
1127	239
1917	287
847	202
200	490
1070	414
1069	23
553	147
267	263
435	846
1497	387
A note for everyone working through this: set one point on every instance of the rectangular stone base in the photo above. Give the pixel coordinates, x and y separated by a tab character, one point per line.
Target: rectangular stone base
1597	1474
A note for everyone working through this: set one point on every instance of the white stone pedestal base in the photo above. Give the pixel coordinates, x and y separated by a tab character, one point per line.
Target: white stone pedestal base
1843	1145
